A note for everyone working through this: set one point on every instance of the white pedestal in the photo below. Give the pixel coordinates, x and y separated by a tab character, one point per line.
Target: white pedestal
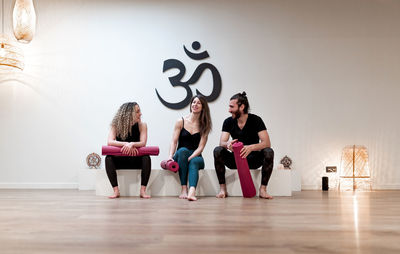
280	183
296	179
87	179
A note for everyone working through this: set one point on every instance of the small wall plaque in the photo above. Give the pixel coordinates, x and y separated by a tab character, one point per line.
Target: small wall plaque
331	169
286	162
93	160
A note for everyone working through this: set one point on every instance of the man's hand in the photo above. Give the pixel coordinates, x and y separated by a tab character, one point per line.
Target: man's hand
230	143
245	151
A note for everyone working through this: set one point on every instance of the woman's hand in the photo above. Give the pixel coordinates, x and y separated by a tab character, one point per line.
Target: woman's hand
126	148
170	158
129	149
134	151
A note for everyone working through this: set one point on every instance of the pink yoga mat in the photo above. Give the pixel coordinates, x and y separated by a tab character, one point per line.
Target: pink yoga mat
246	182
116	150
170	165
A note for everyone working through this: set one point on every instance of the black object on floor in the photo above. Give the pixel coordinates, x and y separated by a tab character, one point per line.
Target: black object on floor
325	183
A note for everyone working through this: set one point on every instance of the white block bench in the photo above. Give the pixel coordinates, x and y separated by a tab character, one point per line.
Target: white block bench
166	183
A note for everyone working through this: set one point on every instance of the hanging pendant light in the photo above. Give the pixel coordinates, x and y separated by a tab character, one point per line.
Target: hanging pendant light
24	20
10	55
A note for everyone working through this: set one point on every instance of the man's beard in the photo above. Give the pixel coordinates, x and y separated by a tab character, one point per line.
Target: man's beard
237	114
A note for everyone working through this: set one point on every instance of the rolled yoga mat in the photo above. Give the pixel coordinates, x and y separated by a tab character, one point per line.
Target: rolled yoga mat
246	182
116	150
170	165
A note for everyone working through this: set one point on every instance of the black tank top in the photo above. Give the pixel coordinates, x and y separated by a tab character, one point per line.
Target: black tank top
134	136
188	140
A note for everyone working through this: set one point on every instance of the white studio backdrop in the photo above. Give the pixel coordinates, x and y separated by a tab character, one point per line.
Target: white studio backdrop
322	75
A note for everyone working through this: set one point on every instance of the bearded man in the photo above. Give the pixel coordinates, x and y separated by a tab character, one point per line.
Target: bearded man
251	131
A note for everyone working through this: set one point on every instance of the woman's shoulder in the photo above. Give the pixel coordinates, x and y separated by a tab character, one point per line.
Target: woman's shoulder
142	125
179	122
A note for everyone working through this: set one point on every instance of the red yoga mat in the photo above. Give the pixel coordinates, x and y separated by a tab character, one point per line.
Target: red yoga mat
116	150
170	165
246	182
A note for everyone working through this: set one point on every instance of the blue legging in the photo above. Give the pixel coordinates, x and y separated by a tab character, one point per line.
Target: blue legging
192	167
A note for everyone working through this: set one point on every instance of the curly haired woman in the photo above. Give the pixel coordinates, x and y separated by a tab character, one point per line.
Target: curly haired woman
129	132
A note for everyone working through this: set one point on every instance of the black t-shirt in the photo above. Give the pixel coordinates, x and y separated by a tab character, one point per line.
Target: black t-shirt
249	134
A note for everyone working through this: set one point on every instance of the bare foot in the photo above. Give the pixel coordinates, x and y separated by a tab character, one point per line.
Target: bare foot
193	198
143	192
145	196
192	193
184	194
222	194
263	194
116	193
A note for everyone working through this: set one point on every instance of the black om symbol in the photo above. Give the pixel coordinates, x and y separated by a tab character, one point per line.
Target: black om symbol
176	80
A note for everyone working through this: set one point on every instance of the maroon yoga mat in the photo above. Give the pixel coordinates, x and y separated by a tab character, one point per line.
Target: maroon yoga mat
116	150
170	165
246	182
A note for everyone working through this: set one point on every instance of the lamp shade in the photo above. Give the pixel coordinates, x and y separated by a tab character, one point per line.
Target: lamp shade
354	169
24	20
10	55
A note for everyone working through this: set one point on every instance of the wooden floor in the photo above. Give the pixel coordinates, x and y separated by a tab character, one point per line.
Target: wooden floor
71	221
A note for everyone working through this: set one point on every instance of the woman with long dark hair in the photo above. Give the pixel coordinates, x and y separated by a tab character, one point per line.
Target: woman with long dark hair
188	141
129	132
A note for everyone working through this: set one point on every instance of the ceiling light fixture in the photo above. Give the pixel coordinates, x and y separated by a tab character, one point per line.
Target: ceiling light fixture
10	54
24	20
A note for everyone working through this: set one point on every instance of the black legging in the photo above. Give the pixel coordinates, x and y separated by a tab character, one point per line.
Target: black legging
255	159
127	162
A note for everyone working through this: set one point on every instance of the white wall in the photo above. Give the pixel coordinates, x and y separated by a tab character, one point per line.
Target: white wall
322	75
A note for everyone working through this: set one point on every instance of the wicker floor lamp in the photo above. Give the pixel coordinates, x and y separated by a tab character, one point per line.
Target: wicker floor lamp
354	168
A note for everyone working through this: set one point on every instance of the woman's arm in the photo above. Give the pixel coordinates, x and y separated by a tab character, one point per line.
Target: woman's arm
199	150
128	147
143	135
131	147
175	137
112	138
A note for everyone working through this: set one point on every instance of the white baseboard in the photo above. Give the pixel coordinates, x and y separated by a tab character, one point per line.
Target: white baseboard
309	187
374	187
386	187
38	185
76	186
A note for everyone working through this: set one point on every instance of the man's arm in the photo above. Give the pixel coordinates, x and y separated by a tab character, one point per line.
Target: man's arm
225	142
264	143
264	140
